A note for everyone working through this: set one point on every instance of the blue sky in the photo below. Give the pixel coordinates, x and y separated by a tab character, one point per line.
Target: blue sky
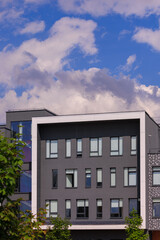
80	56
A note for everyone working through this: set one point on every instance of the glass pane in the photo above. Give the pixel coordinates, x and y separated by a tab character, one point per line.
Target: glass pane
113	179
99	175
126	177
55	178
75	178
54	146
69	180
68	204
133	143
99	202
79	145
94	144
132	179
100	147
120	146
132	204
114	144
156	178
25	182
80	203
53	206
68	148
25	205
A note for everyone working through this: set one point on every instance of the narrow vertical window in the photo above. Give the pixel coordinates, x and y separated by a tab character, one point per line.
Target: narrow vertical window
156	208
55	178
99	208
113	177
116	146
96	147
99	177
79	147
133	145
68	208
68	147
88	177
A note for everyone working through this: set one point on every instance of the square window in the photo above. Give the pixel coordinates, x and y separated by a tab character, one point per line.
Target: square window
71	178
116	208
156	208
52	208
51	148
82	209
95	147
130	177
116	146
156	175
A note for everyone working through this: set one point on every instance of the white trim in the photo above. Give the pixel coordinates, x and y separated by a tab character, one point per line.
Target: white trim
90	118
91	227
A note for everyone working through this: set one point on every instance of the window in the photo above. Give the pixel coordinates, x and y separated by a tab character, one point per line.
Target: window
88	177
113	177
133	204
133	145
68	147
130	177
52	208
79	147
116	208
156	208
55	178
51	149
82	209
99	177
95	147
156	175
68	208
116	146
99	208
71	178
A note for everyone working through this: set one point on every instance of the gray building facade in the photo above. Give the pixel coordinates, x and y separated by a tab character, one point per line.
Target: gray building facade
92	169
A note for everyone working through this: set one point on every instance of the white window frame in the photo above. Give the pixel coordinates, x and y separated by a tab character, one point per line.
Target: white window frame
68	148
99	177
113	177
156	175
68	208
83	203
79	147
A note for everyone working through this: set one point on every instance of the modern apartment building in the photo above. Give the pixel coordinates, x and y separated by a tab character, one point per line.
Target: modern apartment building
92	169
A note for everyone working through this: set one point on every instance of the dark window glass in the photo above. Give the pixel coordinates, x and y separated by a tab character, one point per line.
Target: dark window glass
88	178
133	204
156	208
55	178
116	208
82	209
99	208
68	208
25	181
25	205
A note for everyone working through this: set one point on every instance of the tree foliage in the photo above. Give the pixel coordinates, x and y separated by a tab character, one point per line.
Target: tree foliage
60	230
10	166
133	227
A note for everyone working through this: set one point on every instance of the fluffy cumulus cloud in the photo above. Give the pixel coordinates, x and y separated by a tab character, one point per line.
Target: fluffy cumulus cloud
33	27
48	56
148	36
103	7
92	90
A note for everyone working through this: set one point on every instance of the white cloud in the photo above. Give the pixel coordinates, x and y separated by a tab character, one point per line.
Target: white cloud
47	56
37	1
97	8
33	27
149	36
10	15
92	90
131	59
129	63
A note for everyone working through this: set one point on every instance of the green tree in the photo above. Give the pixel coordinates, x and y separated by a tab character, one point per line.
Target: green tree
60	230
133	227
14	224
11	156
